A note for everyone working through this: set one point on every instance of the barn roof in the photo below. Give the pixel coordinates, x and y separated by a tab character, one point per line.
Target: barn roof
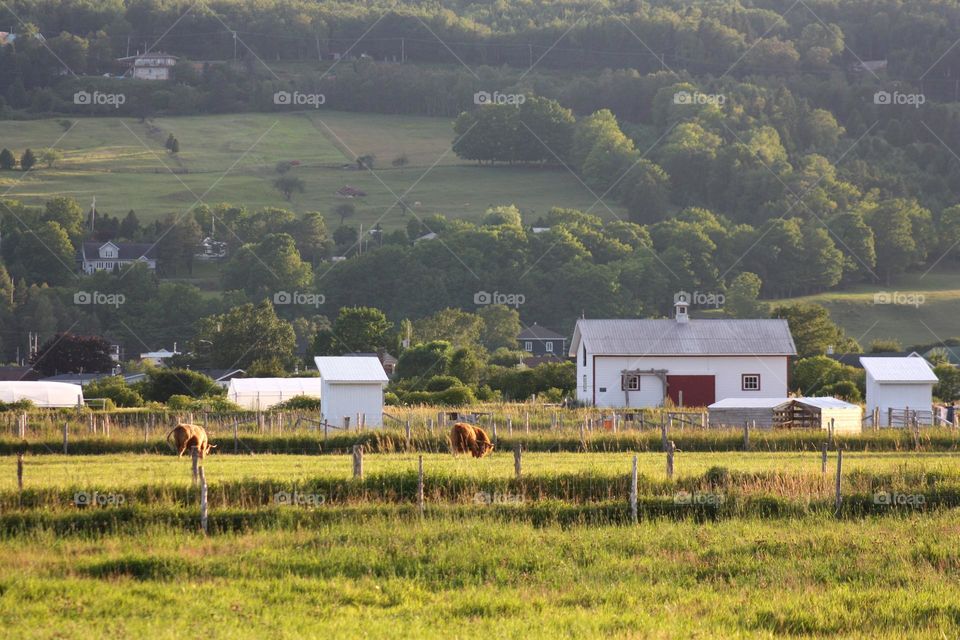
665	337
906	370
351	369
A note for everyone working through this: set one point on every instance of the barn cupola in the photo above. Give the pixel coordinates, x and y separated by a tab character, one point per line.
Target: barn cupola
681	305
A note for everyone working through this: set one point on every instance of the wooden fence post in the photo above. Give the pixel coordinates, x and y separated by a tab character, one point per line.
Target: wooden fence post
839	497
236	435
518	460
746	435
663	432
823	458
633	492
420	485
407	429
195	455
346	423
64	438
526	421
203	501
20	471
496	438
358	461
510	426
671	448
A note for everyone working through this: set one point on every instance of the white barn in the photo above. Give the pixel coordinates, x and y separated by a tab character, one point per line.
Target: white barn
259	394
352	385
42	394
693	362
898	384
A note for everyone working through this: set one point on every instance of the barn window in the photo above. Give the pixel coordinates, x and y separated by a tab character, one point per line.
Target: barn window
584	382
630	382
750	382
584	355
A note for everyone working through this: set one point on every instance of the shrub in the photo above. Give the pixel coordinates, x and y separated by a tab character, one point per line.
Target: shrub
163	383
301	402
456	396
114	389
19	405
391	399
442	383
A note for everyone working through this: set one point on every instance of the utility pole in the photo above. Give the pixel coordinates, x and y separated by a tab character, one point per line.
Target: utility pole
403	50
234	46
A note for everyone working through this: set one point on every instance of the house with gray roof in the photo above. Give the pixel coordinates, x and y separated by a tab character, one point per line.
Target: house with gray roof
681	361
107	256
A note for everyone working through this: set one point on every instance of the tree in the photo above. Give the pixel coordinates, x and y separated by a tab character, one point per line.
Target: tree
45	254
27	160
813	331
50	157
501	326
67	213
948	388
900	228
130	226
741	296
400	161
366	161
244	335
356	330
161	384
813	376
458	327
419	363
287	185
268	267
7	160
345	210
69	353
885	346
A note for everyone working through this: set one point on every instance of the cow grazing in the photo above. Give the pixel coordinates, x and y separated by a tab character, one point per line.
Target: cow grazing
190	435
468	438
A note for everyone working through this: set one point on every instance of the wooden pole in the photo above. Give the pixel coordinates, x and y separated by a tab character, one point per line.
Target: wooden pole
823	458
420	485
20	471
358	461
203	501
633	492
64	438
518	460
526	421
839	497
195	455
746	435
510	426
407	429
671	448
663	432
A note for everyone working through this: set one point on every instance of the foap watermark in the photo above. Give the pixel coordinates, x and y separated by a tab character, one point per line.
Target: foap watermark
697	97
700	299
97	499
95	297
298	499
497	497
509	299
905	298
299	298
894	499
99	99
485	97
903	99
685	498
298	99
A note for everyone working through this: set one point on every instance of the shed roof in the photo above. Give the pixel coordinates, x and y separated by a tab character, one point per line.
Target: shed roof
665	337
904	370
825	402
288	387
364	369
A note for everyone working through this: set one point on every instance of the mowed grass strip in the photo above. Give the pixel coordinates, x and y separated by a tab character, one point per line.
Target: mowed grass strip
483	577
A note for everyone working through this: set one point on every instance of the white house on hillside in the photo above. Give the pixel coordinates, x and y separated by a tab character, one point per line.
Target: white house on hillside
694	362
106	256
899	384
351	385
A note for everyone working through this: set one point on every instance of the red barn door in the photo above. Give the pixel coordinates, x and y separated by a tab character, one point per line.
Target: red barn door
698	391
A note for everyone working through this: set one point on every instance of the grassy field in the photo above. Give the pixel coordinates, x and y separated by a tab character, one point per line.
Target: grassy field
231	158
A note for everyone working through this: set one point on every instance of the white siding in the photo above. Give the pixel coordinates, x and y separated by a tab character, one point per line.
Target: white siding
726	369
897	395
347	399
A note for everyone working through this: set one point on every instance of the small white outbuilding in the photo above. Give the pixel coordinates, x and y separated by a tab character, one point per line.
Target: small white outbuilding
42	394
259	394
788	413
352	385
895	385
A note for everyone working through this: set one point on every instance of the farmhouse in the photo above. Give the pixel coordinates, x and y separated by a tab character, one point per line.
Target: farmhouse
691	362
42	394
541	341
352	385
260	394
107	256
788	413
151	66
900	389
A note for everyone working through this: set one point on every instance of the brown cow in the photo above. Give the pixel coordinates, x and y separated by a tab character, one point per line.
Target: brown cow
466	437
190	435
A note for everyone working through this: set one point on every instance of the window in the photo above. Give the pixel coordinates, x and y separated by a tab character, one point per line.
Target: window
549	346
528	346
750	382
630	382
584	355
584	382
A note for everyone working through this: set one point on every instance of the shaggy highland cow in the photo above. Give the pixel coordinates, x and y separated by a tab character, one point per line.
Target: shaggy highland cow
190	435
466	437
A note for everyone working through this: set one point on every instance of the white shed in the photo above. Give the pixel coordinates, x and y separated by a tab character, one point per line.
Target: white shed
352	385
42	394
788	413
897	384
260	394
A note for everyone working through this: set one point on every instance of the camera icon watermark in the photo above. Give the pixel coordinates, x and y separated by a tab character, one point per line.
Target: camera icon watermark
98	99
699	299
481	98
699	98
685	498
299	298
895	97
497	497
297	499
482	298
894	499
97	298
97	499
298	99
904	298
